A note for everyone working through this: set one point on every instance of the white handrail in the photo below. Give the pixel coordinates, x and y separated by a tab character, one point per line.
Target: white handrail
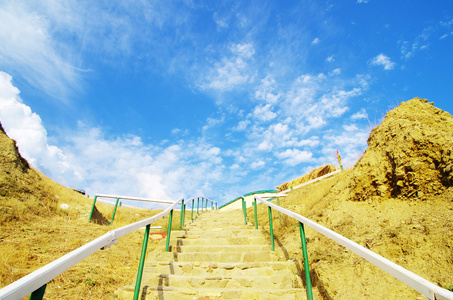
421	285
312	181
134	198
33	281
200	198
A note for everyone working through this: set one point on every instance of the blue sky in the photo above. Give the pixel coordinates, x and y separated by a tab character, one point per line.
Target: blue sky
164	99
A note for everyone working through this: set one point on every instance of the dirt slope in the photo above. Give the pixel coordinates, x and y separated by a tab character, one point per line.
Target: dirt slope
409	154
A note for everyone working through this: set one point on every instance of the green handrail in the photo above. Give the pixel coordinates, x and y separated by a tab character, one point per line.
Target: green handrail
167	246
271	228
92	209
138	282
256	214
306	267
181	215
244	210
114	210
39	293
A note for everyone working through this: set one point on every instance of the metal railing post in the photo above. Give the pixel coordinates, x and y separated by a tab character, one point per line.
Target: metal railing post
306	267
256	214
184	215
191	215
271	226
142	263
39	293
92	209
167	246
244	210
198	204
114	210
181	214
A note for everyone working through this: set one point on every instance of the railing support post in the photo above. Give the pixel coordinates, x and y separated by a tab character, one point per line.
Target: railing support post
39	293
191	215
271	227
306	267
114	210
244	210
256	214
167	246
198	204
184	216
181	215
138	282
92	208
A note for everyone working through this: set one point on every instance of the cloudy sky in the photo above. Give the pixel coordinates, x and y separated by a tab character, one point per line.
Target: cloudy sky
164	99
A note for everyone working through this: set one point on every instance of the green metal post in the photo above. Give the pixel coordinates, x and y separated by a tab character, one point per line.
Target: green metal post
244	210
198	204
271	228
169	231
114	210
92	208
212	205
184	215
181	213
306	267
138	282
191	216
39	293
279	214
256	215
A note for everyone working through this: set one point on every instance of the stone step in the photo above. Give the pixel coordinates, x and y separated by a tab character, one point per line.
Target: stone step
216	232
252	256
255	240
283	281
170	293
207	223
214	248
224	269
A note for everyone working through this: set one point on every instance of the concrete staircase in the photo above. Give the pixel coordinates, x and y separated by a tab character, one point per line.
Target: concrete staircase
218	257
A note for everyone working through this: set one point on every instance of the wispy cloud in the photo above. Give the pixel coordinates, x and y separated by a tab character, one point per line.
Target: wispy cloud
384	61
231	71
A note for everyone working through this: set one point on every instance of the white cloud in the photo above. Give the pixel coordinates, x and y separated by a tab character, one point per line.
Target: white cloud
335	72
222	23
257	164
25	126
315	41
360	115
330	59
264	113
28	48
351	127
362	1
384	61
292	157
267	91
231	72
